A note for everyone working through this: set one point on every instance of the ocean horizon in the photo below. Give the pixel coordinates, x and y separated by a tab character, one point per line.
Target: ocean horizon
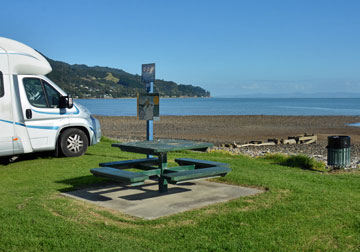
230	106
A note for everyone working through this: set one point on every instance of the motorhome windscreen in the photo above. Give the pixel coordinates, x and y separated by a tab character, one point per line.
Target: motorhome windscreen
35	92
40	93
1	85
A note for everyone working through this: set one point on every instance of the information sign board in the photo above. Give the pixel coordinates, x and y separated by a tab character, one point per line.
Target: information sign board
148	106
148	72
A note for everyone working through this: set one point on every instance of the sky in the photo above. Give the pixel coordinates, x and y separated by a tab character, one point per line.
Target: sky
231	48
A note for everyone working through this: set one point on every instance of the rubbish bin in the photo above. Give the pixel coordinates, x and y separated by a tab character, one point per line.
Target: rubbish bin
338	151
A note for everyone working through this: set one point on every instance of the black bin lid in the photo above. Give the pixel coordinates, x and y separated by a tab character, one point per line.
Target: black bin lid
338	142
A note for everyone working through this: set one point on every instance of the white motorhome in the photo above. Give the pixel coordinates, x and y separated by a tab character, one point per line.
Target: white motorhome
35	114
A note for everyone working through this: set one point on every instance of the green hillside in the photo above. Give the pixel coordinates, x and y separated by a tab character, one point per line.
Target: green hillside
103	82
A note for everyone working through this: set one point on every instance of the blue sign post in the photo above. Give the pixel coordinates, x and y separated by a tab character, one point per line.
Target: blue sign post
149	123
148	76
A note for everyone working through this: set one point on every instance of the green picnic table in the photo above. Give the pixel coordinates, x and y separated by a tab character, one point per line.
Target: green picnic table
157	167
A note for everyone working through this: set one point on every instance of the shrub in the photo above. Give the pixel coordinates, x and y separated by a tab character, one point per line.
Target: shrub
300	161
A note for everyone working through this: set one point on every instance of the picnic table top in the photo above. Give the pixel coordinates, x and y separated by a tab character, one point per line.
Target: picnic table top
162	146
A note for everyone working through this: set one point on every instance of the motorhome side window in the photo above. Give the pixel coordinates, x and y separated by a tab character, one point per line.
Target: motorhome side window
40	94
1	85
52	95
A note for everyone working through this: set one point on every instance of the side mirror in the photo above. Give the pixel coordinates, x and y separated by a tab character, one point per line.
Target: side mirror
70	103
66	102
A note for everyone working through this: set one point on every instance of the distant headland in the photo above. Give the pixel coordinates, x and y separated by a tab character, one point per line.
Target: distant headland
82	81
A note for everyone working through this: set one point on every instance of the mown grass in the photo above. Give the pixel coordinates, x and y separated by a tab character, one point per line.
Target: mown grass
301	210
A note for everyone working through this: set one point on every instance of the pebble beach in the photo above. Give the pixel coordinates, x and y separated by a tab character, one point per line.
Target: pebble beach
224	131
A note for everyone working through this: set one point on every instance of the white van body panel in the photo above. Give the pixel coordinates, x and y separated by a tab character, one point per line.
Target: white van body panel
6	120
22	59
19	133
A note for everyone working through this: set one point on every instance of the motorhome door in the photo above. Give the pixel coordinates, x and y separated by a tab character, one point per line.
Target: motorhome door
43	117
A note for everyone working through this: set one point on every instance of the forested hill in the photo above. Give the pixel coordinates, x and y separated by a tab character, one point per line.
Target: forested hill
103	82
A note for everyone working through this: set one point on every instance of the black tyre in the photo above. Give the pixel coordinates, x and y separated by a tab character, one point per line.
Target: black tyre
73	142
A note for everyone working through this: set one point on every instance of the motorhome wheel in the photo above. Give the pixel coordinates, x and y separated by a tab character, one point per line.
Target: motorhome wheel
73	142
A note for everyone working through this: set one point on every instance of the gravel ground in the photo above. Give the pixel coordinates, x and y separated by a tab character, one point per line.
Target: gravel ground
222	130
317	151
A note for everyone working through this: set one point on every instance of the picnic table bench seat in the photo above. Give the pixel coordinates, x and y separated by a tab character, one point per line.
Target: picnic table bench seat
200	163
120	175
124	164
181	176
157	168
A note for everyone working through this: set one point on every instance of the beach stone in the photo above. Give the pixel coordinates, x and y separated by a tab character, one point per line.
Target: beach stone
317	151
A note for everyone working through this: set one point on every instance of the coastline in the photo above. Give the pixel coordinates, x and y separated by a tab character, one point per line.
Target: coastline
224	131
134	97
229	129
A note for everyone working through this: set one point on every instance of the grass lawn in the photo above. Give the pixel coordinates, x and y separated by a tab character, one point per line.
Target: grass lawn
300	210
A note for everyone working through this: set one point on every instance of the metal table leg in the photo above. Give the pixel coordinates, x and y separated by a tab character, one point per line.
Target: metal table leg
163	184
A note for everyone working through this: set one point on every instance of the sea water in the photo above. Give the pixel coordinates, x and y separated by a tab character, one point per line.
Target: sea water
230	106
355	124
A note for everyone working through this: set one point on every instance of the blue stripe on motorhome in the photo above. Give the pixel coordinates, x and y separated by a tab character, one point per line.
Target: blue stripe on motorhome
94	136
58	113
93	131
43	127
94	125
23	54
1	120
20	124
30	126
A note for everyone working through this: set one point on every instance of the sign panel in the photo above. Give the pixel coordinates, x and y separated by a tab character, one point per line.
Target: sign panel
148	72
148	107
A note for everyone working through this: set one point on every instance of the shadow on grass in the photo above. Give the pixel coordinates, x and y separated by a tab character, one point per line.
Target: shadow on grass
46	155
28	156
107	156
95	189
83	182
